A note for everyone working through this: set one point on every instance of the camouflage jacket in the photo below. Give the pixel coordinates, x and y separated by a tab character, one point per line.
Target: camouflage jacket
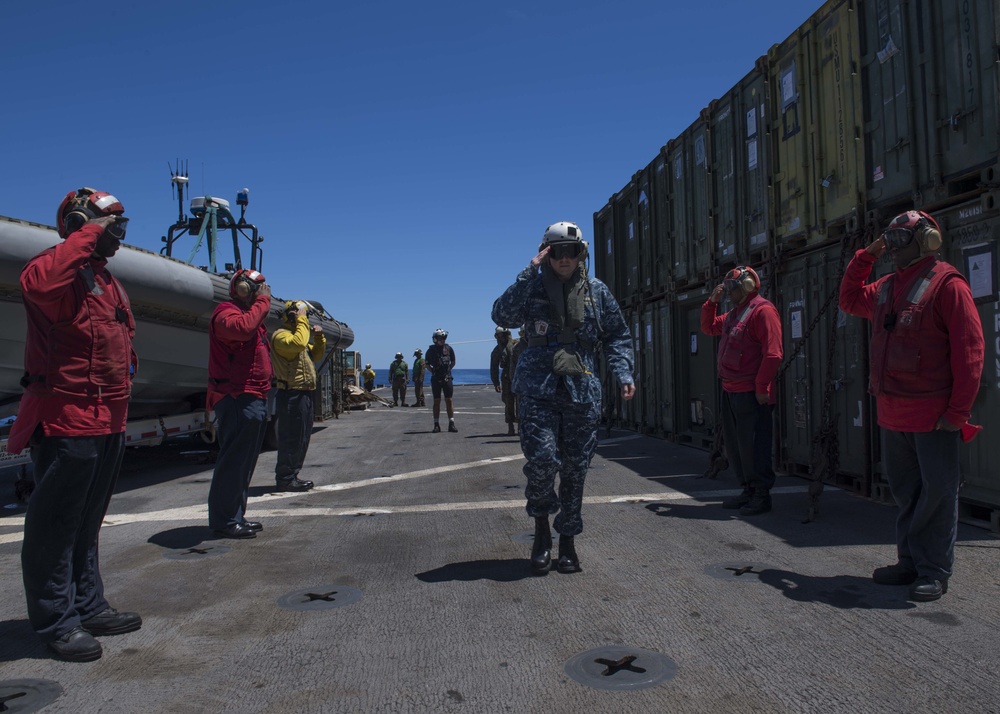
525	304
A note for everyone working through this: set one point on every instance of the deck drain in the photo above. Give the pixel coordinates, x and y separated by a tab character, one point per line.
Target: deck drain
742	570
197	552
27	695
324	597
620	667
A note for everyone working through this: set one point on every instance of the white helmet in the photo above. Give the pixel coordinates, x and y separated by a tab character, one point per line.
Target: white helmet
562	232
439	333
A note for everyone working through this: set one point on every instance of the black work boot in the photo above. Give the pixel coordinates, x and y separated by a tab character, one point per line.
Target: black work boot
738	501
568	561
760	502
510	430
541	550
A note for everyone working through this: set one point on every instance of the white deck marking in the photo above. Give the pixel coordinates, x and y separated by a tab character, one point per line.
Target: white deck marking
200	512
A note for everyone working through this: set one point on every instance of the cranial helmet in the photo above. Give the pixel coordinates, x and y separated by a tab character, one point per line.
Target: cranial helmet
501	331
399	355
911	225
368	366
245	283
417	353
81	205
563	233
439	333
742	276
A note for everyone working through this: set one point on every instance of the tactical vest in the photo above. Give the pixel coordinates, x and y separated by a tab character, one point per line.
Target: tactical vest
910	354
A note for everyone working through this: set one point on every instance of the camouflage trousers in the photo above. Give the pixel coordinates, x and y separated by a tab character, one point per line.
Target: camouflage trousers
509	403
557	437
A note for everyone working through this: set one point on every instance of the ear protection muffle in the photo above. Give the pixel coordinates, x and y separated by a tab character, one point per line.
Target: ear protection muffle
927	233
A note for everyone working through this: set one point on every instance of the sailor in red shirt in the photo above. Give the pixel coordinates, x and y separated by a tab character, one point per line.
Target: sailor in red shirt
749	356
79	364
926	358
239	378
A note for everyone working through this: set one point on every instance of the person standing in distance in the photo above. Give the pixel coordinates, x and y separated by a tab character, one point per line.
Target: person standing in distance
399	375
239	378
440	361
749	357
501	374
292	358
926	359
78	370
419	368
567	316
368	377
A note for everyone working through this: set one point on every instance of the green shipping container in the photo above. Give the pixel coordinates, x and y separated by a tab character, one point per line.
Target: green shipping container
817	128
654	364
603	247
661	253
687	159
805	285
930	82
696	389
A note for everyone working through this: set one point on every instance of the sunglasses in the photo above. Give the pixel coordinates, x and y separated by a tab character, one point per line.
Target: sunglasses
896	238
565	250
117	228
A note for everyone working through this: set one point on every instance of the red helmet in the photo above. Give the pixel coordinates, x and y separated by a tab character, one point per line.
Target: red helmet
744	277
913	224
245	283
81	205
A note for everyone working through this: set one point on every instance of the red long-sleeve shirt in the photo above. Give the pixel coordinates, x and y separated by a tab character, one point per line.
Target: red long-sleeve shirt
954	311
764	327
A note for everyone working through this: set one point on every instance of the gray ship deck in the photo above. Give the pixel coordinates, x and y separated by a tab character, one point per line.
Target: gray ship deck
430	531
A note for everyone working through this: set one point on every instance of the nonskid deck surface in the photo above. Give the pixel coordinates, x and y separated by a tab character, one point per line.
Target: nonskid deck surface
401	584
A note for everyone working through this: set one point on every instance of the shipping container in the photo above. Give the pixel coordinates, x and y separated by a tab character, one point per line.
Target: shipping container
755	239
603	251
696	388
687	158
655	366
929	78
661	250
823	345
818	191
626	212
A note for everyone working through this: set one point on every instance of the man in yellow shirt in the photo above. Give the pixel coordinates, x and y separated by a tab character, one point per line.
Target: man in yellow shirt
295	377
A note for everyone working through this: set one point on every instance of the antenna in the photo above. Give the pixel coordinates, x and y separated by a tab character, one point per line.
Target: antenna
179	179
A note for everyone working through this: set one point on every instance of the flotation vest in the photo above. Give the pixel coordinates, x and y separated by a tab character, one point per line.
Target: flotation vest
910	354
90	355
238	367
739	356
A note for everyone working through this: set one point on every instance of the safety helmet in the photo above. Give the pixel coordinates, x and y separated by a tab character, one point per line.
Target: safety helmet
399	355
245	283
417	353
439	333
906	227
368	366
742	276
81	205
566	234
501	331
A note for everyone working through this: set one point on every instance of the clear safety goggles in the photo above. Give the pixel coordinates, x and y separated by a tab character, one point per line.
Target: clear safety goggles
896	238
117	228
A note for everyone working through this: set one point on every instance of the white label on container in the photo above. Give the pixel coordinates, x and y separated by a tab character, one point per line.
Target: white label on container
795	318
752	154
699	151
980	270
649	334
694	343
788	87
678	168
751	123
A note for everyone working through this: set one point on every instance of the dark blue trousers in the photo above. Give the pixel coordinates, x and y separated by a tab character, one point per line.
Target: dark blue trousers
74	479
295	419
924	475
558	436
240	423
748	428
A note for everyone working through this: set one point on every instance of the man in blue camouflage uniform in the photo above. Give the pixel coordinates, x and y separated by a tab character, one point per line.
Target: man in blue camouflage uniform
567	316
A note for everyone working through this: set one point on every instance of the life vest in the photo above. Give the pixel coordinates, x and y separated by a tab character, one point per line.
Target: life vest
910	354
238	367
397	370
298	373
740	356
91	354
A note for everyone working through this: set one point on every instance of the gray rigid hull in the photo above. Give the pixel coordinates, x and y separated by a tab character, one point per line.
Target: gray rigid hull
172	302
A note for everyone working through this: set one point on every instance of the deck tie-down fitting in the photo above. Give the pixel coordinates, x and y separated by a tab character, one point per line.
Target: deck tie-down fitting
4	700
618	665
196	551
743	571
313	597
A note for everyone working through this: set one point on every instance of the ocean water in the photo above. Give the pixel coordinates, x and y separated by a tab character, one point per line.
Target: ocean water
460	376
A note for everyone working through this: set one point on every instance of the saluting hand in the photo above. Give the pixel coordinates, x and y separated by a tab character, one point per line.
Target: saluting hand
716	295
877	247
540	258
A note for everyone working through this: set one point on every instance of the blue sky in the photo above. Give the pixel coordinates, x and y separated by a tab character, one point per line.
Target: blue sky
403	158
